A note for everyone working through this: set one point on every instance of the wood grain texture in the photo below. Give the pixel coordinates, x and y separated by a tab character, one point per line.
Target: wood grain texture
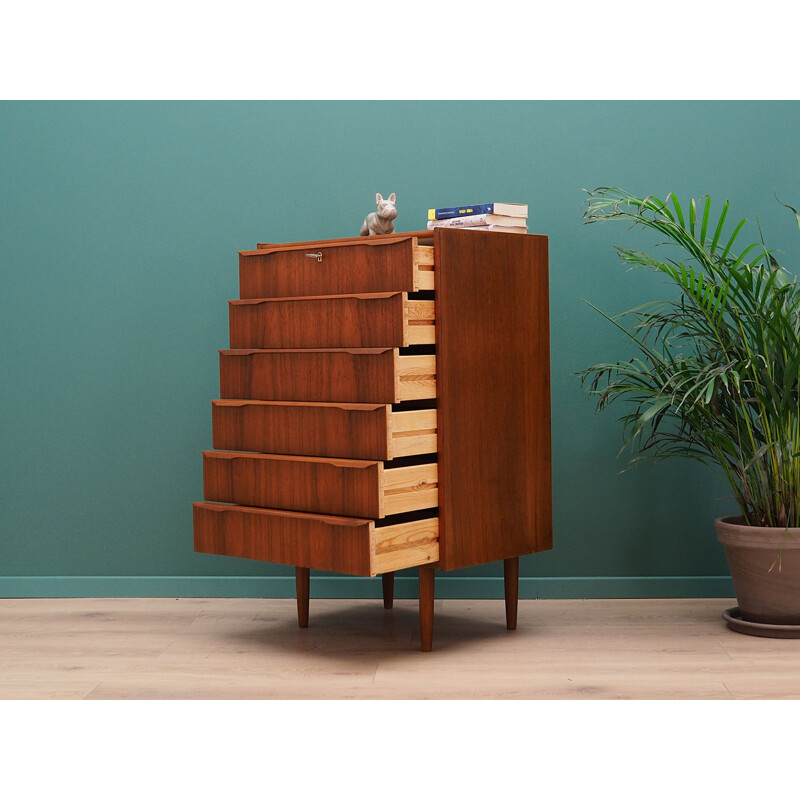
493	372
315	364
420	322
365	320
318	541
347	266
302	581
348	487
314	429
387	587
247	648
343	487
354	375
418	237
406	544
427	575
409	488
339	430
511	591
412	432
415	377
336	544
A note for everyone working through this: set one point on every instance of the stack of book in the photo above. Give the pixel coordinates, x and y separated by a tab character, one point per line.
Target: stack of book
503	217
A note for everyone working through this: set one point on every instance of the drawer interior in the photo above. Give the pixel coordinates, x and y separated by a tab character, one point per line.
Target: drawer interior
409	488
416	377
412	433
423	265
419	322
404	544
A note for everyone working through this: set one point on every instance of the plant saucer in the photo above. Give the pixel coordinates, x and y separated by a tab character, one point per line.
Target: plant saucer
735	622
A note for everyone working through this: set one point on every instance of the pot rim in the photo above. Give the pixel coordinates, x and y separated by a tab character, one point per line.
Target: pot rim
732	530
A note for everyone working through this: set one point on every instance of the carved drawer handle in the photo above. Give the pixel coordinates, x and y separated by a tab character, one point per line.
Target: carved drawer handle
318	256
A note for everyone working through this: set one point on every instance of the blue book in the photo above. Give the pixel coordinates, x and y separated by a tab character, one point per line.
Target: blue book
509	209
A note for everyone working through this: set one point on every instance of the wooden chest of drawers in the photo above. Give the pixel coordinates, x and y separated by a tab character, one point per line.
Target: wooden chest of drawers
384	404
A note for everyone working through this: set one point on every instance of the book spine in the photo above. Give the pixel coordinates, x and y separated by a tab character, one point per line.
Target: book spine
478	219
496	229
458	222
458	211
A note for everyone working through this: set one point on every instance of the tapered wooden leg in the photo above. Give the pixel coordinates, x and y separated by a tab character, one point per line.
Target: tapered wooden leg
511	583
388	589
426	581
302	580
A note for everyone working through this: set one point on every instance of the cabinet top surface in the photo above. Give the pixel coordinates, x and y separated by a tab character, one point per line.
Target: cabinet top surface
386	238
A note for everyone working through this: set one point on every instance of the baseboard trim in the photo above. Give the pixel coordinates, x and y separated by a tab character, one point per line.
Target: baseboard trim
326	586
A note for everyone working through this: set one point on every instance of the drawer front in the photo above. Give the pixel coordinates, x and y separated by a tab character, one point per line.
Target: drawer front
364	375
335	544
363	431
366	320
345	266
321	485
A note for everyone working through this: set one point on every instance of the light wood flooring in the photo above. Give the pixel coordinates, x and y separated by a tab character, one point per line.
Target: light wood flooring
211	648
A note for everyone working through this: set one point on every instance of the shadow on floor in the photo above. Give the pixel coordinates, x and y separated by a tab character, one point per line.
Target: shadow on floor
358	628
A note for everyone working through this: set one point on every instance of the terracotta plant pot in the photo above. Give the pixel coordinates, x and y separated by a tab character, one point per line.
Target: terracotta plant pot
765	567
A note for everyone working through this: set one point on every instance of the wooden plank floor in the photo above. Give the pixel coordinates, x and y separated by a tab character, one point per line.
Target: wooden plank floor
353	649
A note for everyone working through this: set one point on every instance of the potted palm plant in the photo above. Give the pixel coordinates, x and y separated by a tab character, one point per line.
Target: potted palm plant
715	376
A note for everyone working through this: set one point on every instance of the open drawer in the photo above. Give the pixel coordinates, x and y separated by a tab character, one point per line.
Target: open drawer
322	485
332	543
338	430
362	375
389	263
386	319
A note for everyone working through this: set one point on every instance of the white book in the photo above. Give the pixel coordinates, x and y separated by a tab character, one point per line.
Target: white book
496	228
474	220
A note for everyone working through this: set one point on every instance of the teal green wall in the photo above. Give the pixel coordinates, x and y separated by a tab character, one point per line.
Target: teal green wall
120	224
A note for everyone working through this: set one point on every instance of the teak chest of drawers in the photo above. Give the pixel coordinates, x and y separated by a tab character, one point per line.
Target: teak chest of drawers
384	404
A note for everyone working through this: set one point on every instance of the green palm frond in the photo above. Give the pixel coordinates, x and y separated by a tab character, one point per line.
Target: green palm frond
716	371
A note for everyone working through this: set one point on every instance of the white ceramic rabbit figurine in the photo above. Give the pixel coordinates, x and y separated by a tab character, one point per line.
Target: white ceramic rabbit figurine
382	220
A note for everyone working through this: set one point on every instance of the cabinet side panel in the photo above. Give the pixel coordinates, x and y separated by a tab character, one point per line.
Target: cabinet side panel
493	372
